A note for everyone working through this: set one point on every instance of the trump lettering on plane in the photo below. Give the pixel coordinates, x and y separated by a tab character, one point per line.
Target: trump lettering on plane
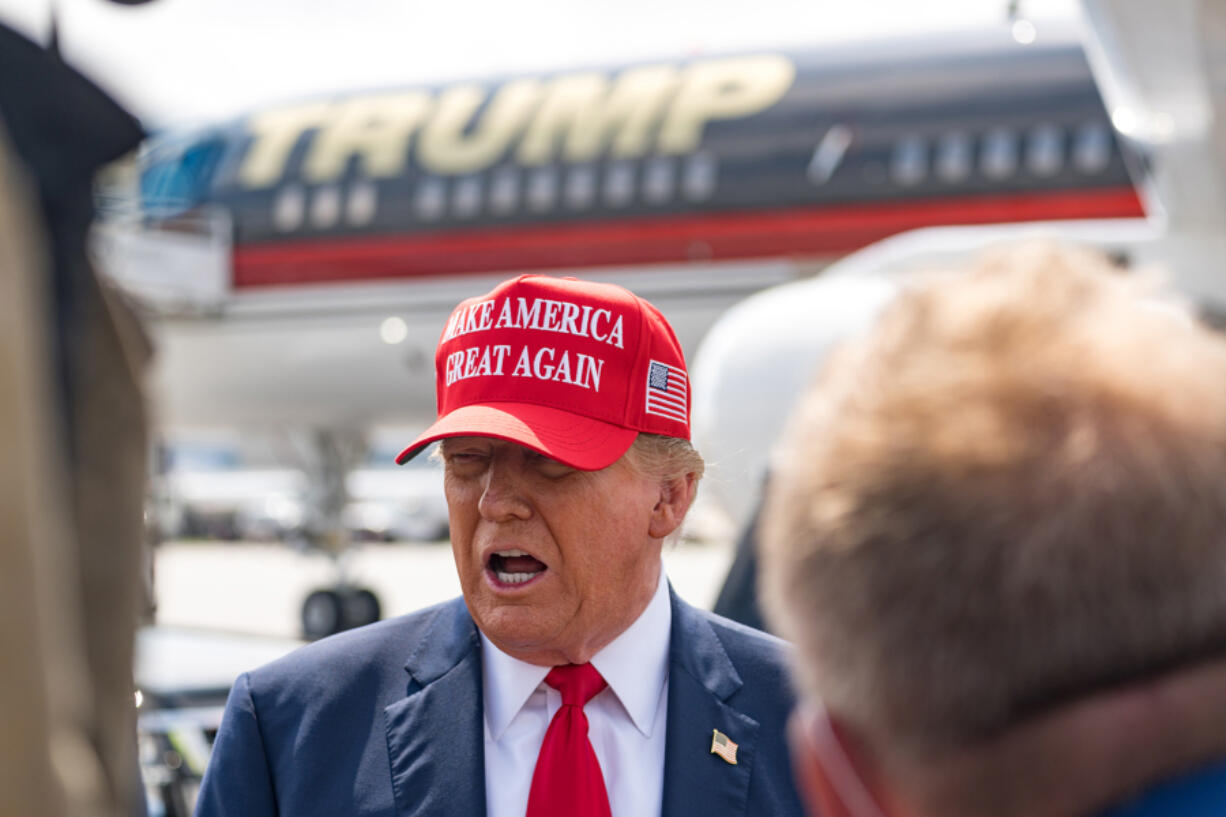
464	128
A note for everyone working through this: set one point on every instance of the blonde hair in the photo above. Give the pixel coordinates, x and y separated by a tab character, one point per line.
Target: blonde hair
1012	493
662	457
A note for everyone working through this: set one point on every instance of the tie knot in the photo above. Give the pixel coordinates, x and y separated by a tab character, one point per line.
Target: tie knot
578	683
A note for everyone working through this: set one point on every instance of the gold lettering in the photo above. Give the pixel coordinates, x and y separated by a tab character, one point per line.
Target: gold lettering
375	128
722	89
448	145
274	134
587	116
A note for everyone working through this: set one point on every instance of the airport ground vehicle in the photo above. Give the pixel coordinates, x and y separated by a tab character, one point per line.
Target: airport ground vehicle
385	504
183	677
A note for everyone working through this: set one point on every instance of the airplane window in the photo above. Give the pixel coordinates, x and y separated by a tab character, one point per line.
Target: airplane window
542	188
363	202
1092	149
619	184
580	187
504	190
1045	150
201	457
701	173
909	164
289	208
999	158
326	206
430	199
179	178
829	154
466	196
658	180
953	159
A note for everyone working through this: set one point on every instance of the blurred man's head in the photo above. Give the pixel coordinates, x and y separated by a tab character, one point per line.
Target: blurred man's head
1009	498
564	429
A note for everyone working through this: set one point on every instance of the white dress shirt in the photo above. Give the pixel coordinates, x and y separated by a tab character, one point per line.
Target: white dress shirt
626	720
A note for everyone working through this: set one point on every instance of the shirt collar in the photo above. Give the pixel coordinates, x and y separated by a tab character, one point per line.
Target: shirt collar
635	665
508	683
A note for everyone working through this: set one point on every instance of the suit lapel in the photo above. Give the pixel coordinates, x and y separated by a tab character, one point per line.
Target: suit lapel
434	734
701	679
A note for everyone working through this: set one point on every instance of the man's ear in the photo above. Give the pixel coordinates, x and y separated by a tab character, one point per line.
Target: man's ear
819	798
829	782
674	500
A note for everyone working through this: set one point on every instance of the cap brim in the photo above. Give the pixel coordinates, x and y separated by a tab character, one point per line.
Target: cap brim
577	441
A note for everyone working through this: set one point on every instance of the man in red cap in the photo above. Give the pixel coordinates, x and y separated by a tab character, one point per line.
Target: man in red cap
568	680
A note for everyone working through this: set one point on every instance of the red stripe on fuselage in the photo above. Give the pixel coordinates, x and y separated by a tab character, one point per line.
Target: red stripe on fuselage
801	231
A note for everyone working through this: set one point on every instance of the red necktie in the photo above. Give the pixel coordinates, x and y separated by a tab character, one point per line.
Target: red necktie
567	781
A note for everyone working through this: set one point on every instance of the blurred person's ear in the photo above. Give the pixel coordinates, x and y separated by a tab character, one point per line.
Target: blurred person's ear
825	765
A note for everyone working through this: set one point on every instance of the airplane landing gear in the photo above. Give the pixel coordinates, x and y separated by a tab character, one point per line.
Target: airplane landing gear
343	605
330	610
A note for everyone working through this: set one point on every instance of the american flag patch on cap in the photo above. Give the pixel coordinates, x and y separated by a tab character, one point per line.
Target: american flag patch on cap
667	391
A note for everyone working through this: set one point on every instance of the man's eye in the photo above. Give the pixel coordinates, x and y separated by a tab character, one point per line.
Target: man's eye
462	458
548	466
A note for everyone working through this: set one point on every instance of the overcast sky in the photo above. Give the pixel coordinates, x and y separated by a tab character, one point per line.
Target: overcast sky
173	61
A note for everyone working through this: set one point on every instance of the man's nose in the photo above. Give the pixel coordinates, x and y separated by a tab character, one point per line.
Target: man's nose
502	493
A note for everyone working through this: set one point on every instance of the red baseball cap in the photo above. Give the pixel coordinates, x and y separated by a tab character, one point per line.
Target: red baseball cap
571	369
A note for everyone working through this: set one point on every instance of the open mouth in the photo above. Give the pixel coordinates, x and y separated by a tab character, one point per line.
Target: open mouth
514	567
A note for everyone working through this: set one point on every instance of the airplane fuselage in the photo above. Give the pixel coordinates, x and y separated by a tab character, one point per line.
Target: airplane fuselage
695	182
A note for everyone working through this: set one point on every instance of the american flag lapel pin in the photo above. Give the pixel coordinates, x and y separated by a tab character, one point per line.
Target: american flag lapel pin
721	745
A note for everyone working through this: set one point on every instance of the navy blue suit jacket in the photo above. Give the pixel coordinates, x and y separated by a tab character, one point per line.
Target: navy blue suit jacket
387	720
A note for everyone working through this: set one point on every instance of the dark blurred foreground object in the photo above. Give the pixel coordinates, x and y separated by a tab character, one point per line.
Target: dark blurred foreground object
73	428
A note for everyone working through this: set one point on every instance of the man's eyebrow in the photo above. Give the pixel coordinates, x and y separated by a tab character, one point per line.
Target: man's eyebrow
454	443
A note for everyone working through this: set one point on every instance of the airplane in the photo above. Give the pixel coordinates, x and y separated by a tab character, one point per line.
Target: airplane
281	243
1167	107
298	263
